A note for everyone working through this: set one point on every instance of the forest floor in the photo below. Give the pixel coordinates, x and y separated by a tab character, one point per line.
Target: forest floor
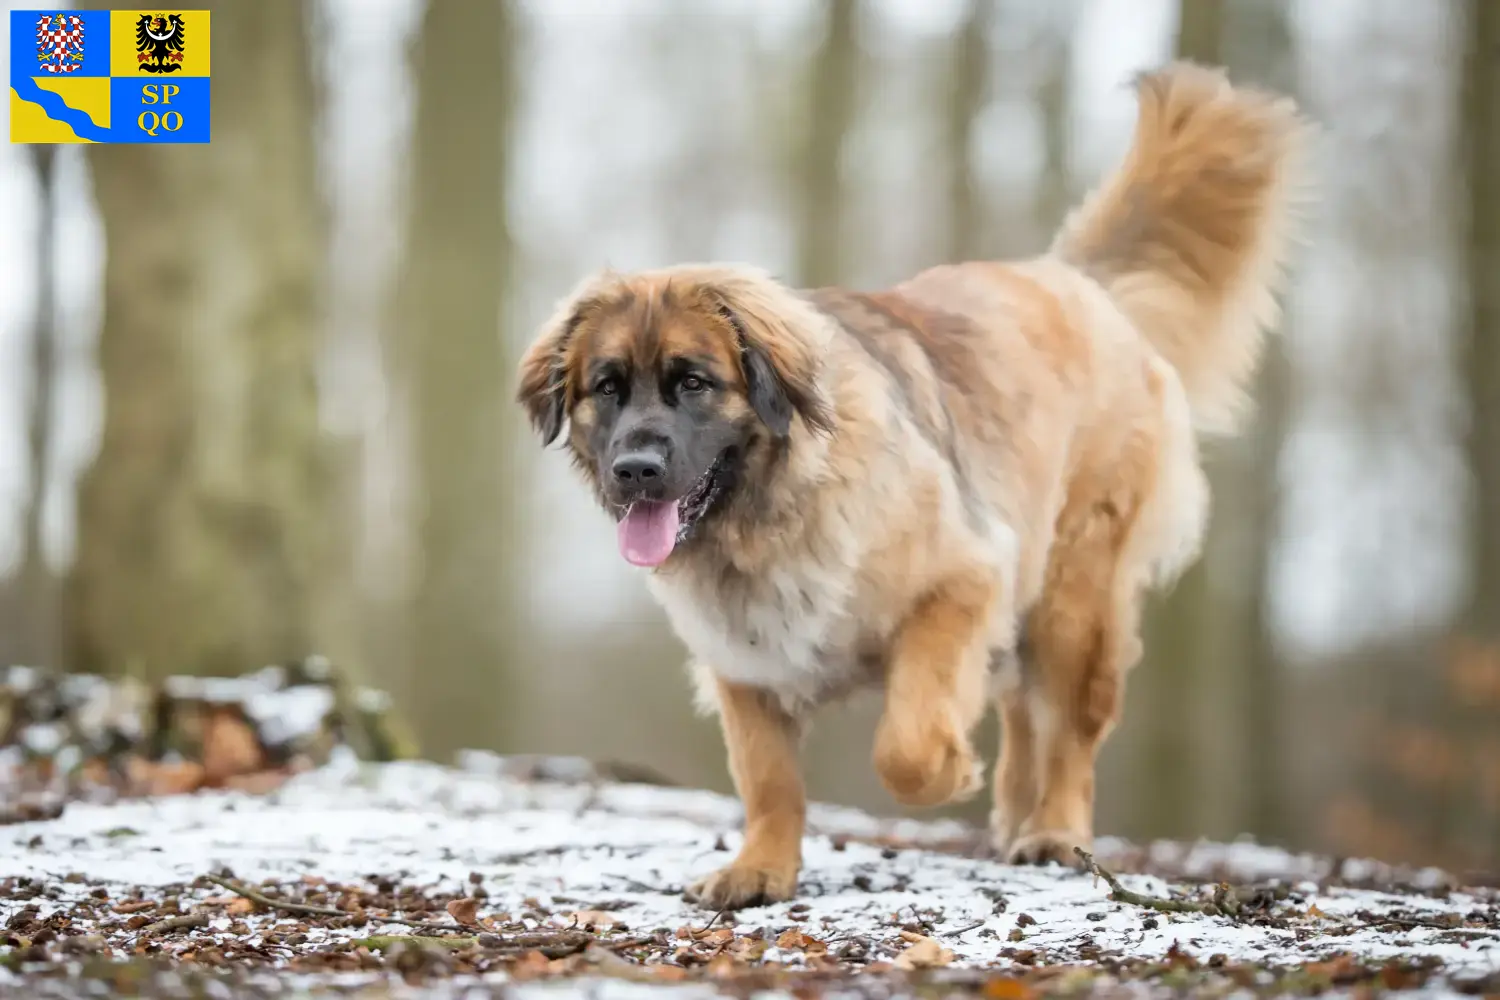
503	877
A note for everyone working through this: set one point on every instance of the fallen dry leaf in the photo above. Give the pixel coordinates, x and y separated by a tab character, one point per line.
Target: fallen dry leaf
145	777
722	966
465	911
924	953
257	782
1007	988
747	949
136	906
1335	969
795	939
240	905
1394	977
593	920
530	965
230	746
722	936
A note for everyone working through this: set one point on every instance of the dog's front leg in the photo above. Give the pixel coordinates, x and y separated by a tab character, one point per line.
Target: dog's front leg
762	742
935	694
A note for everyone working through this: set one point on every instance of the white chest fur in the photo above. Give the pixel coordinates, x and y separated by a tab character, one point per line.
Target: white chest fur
790	630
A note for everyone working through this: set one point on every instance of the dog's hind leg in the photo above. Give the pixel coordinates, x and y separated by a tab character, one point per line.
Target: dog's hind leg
1015	772
935	694
1083	638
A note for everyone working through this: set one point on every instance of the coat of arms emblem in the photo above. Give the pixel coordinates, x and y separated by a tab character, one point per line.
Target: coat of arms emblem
59	42
158	40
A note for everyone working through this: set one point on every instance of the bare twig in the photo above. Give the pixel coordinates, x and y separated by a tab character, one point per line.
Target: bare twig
197	918
712	920
963	930
286	905
1123	895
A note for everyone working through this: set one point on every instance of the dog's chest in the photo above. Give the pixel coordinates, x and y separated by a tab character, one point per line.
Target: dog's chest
787	630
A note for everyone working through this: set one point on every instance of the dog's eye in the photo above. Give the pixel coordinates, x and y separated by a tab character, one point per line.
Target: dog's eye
606	387
692	383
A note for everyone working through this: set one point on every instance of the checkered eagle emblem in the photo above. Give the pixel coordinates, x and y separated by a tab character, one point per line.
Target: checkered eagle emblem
59	42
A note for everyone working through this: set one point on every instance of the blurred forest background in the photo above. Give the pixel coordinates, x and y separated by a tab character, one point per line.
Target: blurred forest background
255	397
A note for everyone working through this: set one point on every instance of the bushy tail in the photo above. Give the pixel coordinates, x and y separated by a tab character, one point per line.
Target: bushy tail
1190	233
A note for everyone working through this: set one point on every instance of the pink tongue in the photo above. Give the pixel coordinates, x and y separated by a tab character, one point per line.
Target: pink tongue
648	532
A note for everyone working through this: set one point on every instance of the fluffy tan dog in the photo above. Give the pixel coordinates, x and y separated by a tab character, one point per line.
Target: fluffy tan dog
957	489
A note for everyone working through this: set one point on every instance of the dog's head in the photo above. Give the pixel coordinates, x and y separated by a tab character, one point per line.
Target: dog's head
675	385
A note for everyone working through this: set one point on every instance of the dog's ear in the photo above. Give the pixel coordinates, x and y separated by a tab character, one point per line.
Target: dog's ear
544	383
546	386
780	363
543	388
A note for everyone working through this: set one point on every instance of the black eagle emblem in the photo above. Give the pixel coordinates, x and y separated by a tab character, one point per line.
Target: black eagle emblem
158	40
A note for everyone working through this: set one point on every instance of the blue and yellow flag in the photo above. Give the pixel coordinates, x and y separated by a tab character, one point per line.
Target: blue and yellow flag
109	76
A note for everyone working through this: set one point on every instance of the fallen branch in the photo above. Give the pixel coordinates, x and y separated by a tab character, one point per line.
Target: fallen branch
286	905
382	942
1224	901
559	944
1452	925
195	919
270	902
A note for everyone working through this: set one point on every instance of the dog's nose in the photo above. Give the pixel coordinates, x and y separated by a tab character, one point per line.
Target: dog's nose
639	469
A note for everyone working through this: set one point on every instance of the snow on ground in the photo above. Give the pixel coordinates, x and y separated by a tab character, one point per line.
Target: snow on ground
876	895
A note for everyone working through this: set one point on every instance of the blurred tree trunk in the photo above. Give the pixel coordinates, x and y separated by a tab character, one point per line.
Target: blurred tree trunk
200	541
1480	122
1259	45
833	92
36	581
453	289
1200	31
1178	651
1054	192
968	80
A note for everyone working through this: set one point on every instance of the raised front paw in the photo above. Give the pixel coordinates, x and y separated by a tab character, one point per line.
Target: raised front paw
1047	845
930	766
738	886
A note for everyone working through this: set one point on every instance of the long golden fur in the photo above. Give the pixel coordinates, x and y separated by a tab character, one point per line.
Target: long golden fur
958	488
